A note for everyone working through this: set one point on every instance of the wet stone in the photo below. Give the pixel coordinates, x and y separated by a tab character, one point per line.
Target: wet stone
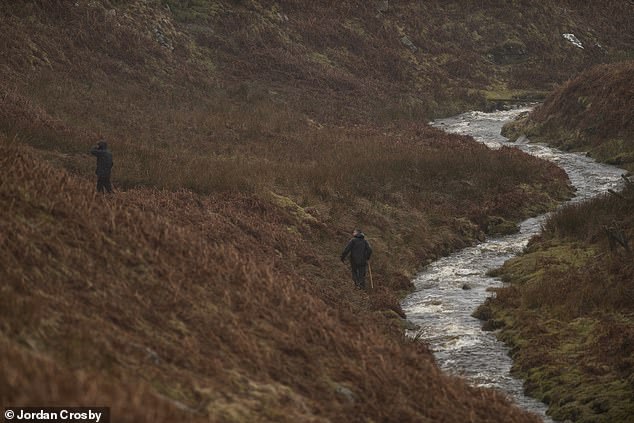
491	325
409	325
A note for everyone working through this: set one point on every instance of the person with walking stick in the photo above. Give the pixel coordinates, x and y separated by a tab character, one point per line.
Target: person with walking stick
360	252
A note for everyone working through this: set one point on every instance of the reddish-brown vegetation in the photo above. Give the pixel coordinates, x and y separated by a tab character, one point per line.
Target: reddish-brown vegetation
183	296
592	112
569	312
247	145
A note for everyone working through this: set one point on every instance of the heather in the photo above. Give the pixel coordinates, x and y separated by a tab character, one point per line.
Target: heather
249	138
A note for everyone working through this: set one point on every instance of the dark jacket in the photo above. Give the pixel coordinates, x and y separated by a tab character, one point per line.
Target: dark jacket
359	250
104	161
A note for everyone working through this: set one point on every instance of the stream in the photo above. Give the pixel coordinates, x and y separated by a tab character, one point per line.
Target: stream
442	308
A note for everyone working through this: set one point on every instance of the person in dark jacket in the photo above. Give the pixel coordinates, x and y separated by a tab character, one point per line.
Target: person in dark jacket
360	252
104	166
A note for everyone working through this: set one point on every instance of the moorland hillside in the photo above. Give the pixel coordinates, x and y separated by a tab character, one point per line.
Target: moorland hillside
591	113
249	138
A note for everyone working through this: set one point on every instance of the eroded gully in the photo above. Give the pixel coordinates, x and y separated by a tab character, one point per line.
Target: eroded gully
442	308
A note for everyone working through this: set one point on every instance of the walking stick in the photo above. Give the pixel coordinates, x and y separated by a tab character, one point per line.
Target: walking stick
370	271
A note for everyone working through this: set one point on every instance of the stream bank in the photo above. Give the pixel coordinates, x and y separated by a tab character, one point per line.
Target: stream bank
449	290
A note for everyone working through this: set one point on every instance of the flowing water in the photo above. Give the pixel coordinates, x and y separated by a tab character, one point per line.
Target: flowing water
440	305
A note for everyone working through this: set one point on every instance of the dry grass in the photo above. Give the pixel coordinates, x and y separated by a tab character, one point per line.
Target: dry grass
591	112
242	163
407	185
175	295
569	314
572	269
335	62
605	281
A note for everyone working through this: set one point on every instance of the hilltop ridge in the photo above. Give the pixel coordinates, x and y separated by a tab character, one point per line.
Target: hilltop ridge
403	60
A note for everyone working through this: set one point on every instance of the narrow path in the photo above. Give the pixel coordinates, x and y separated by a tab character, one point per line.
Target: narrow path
440	305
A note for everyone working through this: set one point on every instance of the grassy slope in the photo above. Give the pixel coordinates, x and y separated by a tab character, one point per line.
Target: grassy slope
177	121
335	61
198	300
568	313
592	112
265	125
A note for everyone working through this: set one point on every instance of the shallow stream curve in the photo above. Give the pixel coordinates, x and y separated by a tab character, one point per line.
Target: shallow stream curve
440	305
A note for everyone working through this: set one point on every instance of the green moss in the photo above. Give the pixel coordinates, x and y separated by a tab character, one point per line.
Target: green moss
530	266
503	93
616	152
321	59
562	380
563	361
587	114
500	226
516	128
288	204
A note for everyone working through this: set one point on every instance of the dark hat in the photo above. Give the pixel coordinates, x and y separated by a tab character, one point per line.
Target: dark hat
102	144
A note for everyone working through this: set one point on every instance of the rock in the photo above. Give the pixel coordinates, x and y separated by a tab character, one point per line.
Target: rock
152	355
483	312
466	287
390	314
493	106
383	6
160	37
499	226
409	325
573	39
408	43
345	393
601	48
522	139
491	325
